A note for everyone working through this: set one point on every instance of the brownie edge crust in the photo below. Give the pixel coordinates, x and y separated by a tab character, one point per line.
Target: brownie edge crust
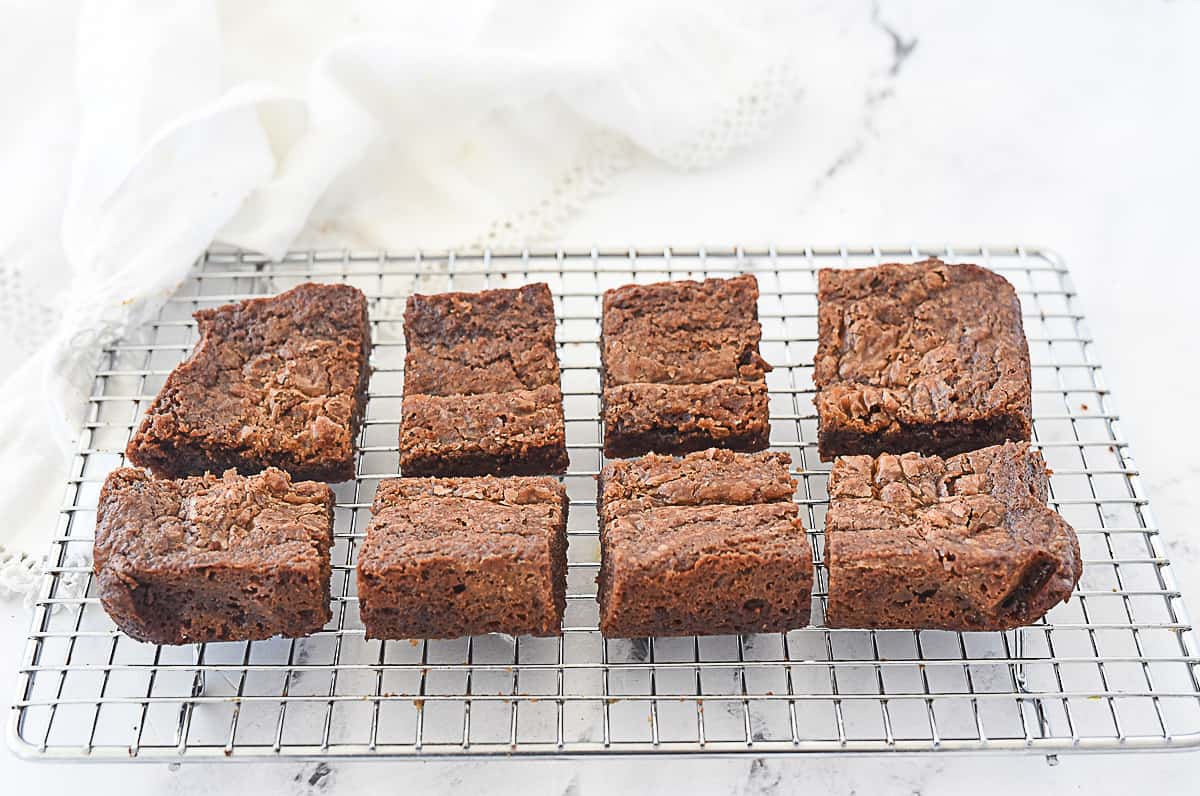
229	558
924	357
964	543
274	382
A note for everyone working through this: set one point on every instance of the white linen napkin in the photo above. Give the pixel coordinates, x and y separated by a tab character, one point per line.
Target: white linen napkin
141	132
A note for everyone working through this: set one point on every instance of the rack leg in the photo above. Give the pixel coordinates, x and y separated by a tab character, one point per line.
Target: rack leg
1019	653
1018	647
198	683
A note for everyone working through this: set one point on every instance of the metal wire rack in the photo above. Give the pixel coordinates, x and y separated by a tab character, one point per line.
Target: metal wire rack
1114	668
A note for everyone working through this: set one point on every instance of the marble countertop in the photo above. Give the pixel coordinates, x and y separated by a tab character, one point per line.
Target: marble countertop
1072	128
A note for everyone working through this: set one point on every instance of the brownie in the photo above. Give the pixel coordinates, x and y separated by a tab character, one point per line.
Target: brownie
481	385
681	368
924	357
273	382
682	418
964	543
207	558
450	557
702	545
519	432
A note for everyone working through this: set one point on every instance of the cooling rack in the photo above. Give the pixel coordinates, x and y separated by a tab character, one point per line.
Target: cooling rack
1114	668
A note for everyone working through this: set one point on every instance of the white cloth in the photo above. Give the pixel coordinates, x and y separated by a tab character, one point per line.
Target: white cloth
140	132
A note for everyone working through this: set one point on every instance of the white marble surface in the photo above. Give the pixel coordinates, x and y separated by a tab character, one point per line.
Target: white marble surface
1072	126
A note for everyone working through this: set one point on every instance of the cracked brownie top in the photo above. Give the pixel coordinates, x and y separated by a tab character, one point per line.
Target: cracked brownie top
710	477
259	520
908	485
474	343
921	343
463	518
682	332
276	381
980	516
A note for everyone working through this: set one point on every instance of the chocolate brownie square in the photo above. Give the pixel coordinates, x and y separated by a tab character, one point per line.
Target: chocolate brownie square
964	543
924	357
450	557
681	368
702	545
481	385
230	558
273	382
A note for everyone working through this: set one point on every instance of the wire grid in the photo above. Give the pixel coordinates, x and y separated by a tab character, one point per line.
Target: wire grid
1114	668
